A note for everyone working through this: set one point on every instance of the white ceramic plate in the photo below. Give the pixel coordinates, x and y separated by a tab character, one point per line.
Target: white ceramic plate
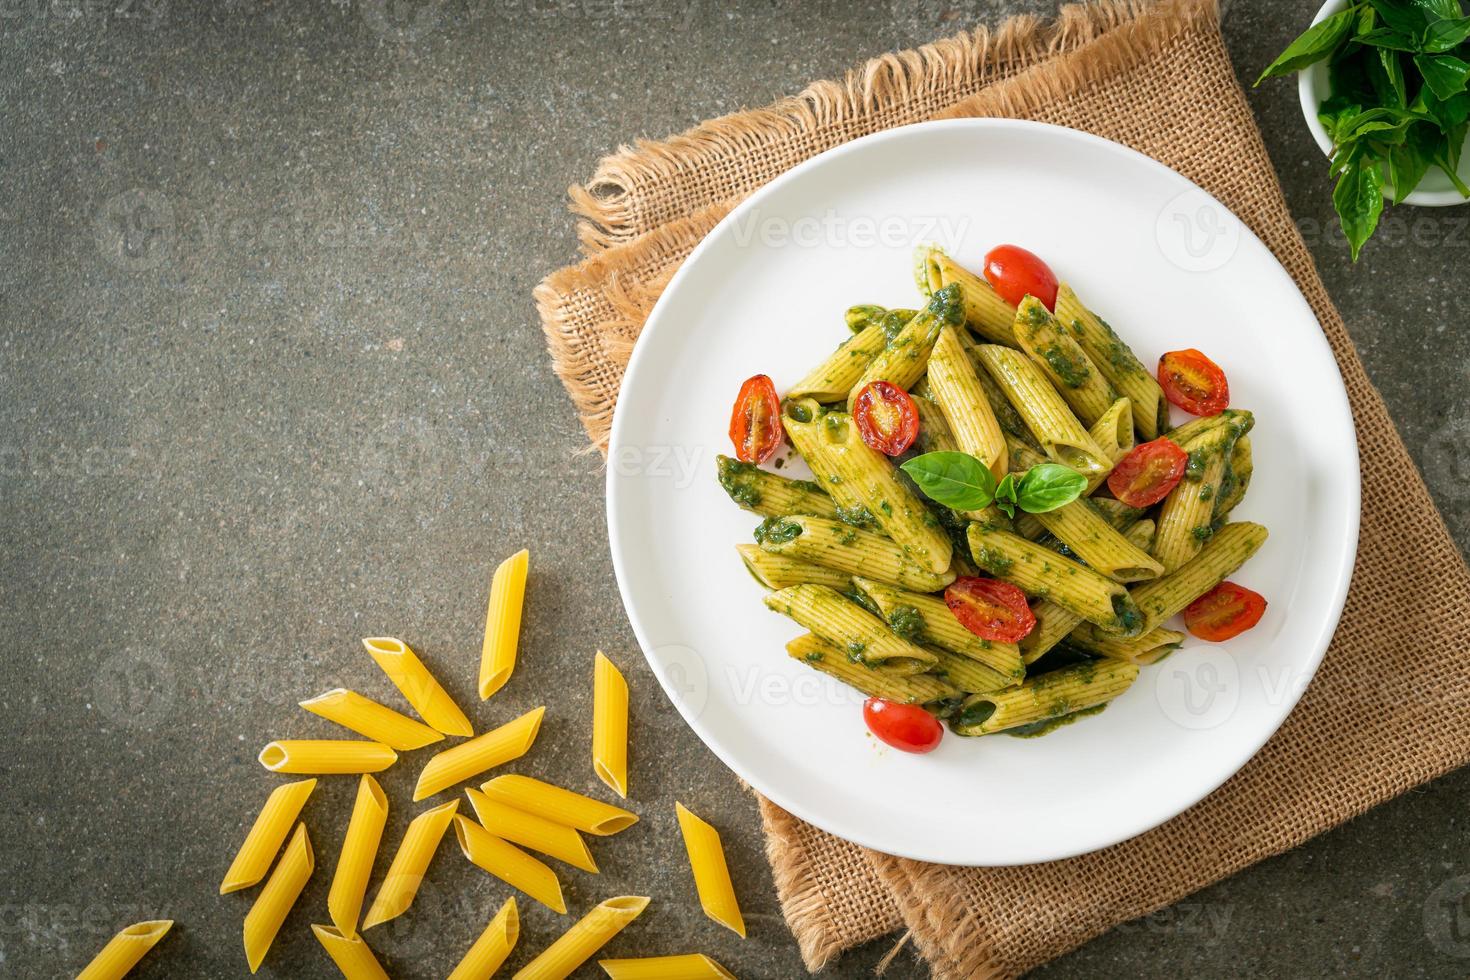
1169	267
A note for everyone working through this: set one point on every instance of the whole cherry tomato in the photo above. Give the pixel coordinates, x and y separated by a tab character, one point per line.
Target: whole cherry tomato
1194	382
1016	273
755	425
1226	610
991	609
1148	472
886	417
906	727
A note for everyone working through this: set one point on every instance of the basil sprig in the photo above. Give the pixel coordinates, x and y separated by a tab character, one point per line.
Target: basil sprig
1400	102
961	481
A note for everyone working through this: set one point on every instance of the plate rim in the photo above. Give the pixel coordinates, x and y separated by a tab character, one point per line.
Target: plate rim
1345	556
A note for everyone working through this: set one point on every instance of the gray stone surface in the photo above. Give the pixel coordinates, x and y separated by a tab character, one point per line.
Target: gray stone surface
309	402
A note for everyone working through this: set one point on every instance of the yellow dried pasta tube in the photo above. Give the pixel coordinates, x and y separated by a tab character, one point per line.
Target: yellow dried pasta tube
1054	623
1090	536
493	947
1186	517
834	377
689	966
776	571
987	314
1149	648
496	747
124	950
1116	361
406	873
418	686
1046	696
325	757
956	390
509	863
925	619
1063	361
846	549
610	725
373	720
765	493
532	831
711	875
904	360
1062	437
1040	572
1221	555
577	944
827	657
560	805
355	863
266	835
1113	431
864	636
350	953
281	890
503	622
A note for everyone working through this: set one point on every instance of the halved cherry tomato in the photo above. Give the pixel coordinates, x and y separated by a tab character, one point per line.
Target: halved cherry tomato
755	425
887	418
906	727
1226	610
990	609
1194	382
1015	273
1147	474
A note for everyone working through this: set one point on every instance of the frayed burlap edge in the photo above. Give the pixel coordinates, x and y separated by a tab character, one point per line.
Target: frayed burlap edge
827	113
803	903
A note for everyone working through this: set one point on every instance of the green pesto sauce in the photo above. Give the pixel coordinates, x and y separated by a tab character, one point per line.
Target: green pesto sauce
908	623
848	538
799	413
1202	532
1207	491
993	561
858	516
1039	728
1071	371
855	651
1127	616
777	530
814	657
737	479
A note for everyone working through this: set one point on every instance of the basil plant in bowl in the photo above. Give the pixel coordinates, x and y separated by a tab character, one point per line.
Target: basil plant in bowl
1385	87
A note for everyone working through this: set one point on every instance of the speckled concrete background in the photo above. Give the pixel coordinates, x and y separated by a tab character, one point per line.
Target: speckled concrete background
309	402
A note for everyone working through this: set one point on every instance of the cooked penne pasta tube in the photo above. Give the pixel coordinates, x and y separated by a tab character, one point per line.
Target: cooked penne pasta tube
1116	361
1041	572
1121	516
765	493
418	686
776	571
1222	554
846	549
956	390
350	953
859	316
266	835
124	950
1237	478
711	876
1045	697
1113	431
690	966
1186	517
1149	648
970	676
903	361
532	831
1063	361
1054	623
493	947
1051	421
560	805
1181	434
503	622
509	863
355	863
496	747
1091	537
372	720
610	725
1011	422
280	892
934	437
406	873
324	757
577	944
864	636
926	620
831	380
987	314
832	660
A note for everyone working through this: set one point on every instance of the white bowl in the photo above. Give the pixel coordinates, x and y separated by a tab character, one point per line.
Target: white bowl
1434	191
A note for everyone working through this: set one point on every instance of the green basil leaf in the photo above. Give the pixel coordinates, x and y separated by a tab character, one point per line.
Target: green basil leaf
1334	112
1447	156
1358	198
1006	491
1316	43
956	480
1407	164
1446	35
1443	73
1408	19
1385	38
1440	9
1048	486
1387	75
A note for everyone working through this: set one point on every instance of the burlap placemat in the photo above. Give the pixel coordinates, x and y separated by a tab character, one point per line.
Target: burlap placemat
1387	708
